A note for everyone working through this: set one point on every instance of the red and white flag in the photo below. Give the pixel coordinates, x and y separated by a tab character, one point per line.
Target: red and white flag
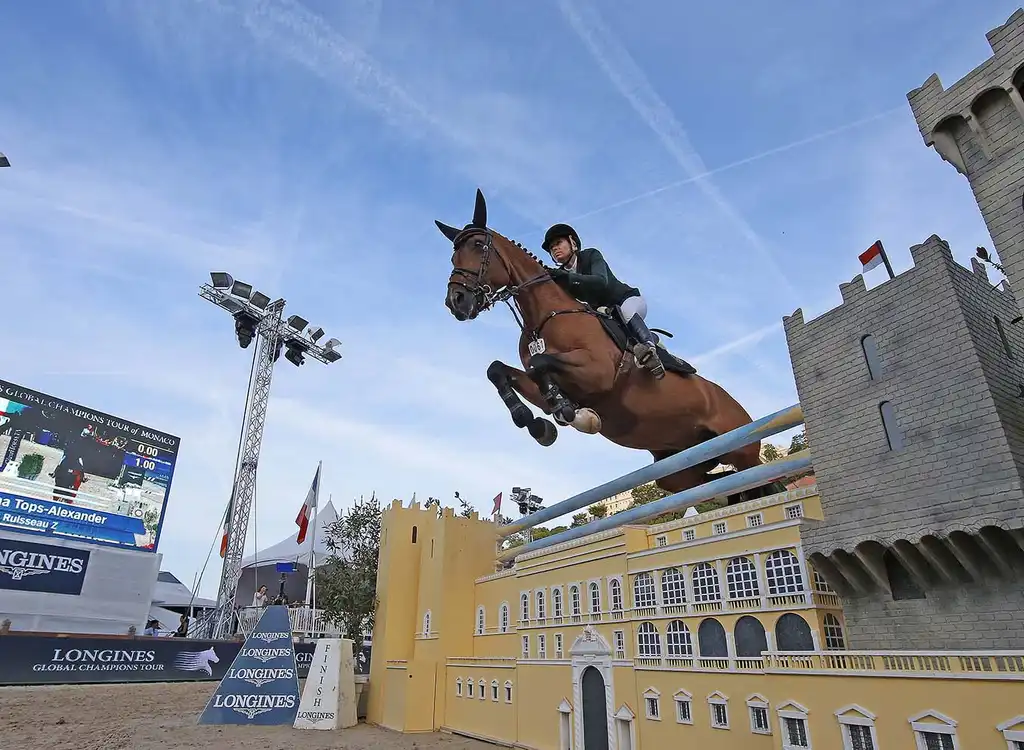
308	509
497	504
873	256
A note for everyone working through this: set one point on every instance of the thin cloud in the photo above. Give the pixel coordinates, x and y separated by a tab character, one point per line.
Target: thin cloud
823	135
629	79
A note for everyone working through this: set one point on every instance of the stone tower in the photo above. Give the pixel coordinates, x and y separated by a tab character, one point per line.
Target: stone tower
914	412
977	125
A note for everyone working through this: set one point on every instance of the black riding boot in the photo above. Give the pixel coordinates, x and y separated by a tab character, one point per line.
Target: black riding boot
646	349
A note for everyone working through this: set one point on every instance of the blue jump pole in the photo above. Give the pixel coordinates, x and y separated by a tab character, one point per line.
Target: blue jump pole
727	485
773	424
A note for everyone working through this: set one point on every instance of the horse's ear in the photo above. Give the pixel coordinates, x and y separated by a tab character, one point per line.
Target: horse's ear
450	232
480	211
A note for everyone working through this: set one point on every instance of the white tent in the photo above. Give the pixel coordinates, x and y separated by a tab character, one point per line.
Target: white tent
260	568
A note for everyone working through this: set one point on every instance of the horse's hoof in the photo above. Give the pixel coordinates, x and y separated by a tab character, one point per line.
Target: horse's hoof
543	431
587	421
568	414
521	415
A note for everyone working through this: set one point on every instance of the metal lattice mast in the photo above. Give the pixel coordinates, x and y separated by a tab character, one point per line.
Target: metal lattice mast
245	472
256	317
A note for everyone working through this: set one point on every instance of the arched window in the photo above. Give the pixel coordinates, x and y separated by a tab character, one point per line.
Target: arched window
524	607
426	623
494	690
834	640
648	642
615	589
595	598
503	617
892	429
792	633
574	600
469	687
678	640
644	593
480	620
750	637
414	535
782	569
820	584
541	613
870	349
458	686
673	588
483	689
711	639
741	577
556	601
705	583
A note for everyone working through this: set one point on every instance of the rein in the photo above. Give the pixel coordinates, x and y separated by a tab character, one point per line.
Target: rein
487	297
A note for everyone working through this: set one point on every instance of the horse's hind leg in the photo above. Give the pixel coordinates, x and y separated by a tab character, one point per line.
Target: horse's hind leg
510	382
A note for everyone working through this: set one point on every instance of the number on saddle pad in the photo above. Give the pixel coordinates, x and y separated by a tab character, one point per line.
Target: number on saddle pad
537	346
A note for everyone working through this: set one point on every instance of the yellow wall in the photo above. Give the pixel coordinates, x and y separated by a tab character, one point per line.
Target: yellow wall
449	571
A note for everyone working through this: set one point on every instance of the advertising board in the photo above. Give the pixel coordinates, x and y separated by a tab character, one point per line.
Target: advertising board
73	472
51	660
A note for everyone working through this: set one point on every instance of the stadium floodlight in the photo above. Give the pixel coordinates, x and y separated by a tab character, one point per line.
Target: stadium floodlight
297	322
258	319
316	334
241	289
221	280
296	349
4	161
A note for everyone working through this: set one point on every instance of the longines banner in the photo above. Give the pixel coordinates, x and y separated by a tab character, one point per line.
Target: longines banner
38	660
44	568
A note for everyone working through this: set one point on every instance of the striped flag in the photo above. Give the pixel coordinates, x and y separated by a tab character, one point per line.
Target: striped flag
308	509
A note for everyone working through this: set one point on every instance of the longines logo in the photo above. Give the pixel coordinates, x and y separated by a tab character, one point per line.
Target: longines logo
18	564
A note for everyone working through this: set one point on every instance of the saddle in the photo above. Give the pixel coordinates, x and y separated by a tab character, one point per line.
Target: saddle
617	331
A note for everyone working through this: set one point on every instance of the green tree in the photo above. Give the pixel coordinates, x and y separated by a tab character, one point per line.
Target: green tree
798	443
579	520
465	509
770	452
599	511
346	583
646	493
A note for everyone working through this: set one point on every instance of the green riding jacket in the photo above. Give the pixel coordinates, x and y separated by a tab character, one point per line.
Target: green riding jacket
594	283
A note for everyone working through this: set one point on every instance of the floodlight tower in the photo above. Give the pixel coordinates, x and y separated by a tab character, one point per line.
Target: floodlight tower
4	161
255	317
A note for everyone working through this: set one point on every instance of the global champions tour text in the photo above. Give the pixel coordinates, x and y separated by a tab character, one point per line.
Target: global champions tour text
100	660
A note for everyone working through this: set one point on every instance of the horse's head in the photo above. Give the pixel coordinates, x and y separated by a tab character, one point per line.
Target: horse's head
486	267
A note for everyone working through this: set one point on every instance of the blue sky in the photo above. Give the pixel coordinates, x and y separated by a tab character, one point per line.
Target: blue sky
731	160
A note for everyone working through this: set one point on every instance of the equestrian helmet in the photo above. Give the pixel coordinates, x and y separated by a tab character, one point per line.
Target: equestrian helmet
558	231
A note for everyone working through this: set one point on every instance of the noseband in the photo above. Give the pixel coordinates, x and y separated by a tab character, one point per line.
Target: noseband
476	284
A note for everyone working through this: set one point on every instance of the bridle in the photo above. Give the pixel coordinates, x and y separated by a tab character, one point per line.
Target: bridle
486	297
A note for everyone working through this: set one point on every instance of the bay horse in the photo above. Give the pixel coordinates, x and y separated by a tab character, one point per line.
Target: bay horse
579	366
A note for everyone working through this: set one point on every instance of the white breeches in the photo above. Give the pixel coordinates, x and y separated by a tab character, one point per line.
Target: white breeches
634	306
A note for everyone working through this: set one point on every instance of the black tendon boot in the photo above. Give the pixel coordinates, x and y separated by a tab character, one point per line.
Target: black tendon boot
645	349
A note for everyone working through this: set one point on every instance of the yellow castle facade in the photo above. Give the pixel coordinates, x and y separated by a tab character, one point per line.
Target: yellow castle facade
711	631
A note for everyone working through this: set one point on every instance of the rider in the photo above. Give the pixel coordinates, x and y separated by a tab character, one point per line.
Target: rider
584	273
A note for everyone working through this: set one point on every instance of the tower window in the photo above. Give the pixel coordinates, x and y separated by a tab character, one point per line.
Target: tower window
414	535
867	344
892	430
1002	337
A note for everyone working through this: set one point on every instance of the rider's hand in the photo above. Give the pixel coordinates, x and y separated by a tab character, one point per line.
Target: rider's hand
558	273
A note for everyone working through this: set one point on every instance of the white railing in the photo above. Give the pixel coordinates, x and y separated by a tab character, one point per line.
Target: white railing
304	621
1000	665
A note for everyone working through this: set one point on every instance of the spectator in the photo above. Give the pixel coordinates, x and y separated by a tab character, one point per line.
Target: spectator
259	599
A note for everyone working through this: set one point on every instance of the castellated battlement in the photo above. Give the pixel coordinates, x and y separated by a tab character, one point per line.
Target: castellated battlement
931	102
914	413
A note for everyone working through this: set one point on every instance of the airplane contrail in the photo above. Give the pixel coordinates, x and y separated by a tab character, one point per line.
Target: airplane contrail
732	165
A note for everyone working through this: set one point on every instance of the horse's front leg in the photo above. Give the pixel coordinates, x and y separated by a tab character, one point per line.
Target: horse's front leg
509	382
542	369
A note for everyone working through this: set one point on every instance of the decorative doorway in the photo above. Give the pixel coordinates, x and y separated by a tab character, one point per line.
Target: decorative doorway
593	692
